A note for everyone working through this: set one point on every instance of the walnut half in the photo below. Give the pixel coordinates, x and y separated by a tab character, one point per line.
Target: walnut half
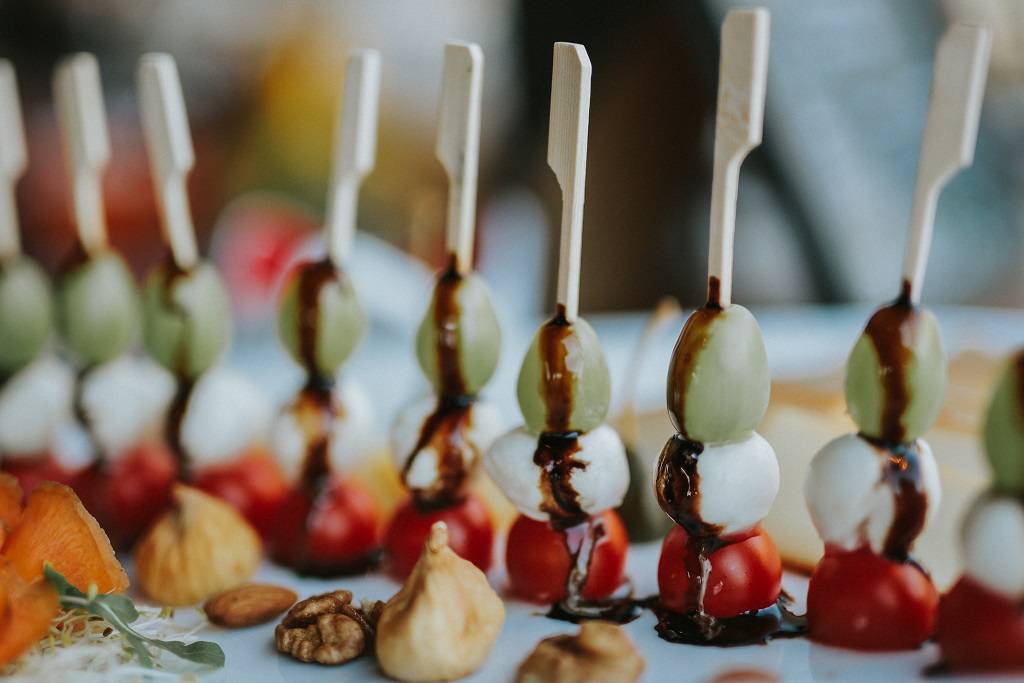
328	628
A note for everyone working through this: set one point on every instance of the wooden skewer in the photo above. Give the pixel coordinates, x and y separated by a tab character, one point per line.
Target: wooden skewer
739	121
355	146
171	157
458	144
83	123
950	134
567	157
13	159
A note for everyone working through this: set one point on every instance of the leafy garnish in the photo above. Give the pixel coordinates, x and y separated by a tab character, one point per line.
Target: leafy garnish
119	611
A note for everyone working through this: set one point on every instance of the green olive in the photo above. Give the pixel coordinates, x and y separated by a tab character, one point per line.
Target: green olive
459	341
98	308
338	325
1004	429
26	313
187	318
896	395
564	385
718	380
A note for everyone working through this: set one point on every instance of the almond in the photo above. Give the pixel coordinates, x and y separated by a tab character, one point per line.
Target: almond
248	605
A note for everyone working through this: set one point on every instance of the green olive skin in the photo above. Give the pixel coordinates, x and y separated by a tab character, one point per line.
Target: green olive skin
340	322
1004	429
26	313
923	373
477	336
98	308
187	318
589	380
719	382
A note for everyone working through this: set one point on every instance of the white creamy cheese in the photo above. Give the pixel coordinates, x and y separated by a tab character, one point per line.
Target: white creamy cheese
993	544
350	434
601	484
849	502
484	424
226	413
34	403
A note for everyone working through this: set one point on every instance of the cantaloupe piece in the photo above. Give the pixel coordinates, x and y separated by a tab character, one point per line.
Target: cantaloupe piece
26	610
55	527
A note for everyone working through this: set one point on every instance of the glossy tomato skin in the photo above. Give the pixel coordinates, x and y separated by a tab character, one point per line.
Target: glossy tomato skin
745	575
862	601
253	484
470	534
331	535
128	492
31	471
980	630
538	562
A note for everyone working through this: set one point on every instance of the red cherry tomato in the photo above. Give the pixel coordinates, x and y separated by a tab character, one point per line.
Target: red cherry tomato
332	535
470	534
979	629
538	562
863	601
253	484
745	575
128	492
31	471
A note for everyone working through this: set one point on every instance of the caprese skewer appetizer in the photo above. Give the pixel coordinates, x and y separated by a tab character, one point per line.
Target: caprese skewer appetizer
871	493
35	386
216	419
981	623
438	440
717	478
565	469
328	524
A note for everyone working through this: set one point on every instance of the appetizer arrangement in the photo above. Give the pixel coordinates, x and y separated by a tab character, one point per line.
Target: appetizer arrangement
328	524
870	494
197	505
565	469
438	440
717	478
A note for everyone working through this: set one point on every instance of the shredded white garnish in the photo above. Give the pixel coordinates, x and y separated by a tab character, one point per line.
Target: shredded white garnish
82	647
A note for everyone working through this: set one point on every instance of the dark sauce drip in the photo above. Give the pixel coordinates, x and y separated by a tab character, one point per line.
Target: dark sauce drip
74	258
714	292
316	411
554	457
446	428
772	623
312	278
901	473
581	540
179	404
889	330
685	354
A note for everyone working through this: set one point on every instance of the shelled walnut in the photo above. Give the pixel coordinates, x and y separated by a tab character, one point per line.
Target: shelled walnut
328	628
600	653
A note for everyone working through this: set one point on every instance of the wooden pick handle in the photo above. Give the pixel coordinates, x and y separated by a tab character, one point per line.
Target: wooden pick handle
13	159
458	144
355	147
567	157
950	134
739	121
83	123
171	157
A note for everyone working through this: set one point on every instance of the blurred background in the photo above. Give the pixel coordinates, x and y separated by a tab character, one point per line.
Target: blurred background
823	207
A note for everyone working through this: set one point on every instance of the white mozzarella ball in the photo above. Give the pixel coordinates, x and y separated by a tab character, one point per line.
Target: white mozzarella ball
738	482
601	484
350	432
34	403
125	400
993	544
226	413
484	426
847	496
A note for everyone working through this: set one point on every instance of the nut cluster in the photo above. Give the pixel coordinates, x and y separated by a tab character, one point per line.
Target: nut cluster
328	628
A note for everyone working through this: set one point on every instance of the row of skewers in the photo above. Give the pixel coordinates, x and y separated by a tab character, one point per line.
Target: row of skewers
565	470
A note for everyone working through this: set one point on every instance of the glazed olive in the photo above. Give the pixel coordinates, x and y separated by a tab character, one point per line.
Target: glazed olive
186	318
